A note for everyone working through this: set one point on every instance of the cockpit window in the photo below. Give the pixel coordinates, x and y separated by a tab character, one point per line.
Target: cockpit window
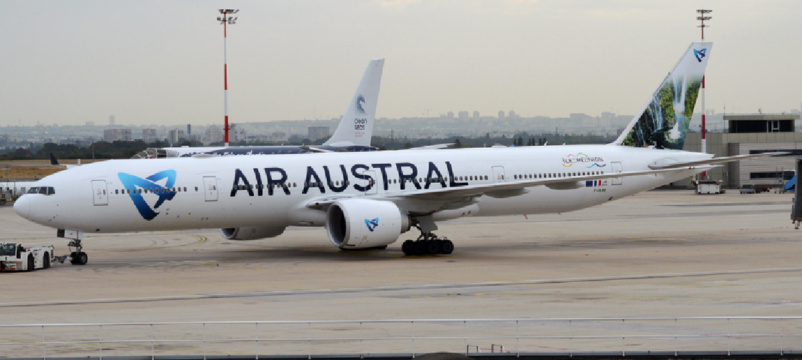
44	190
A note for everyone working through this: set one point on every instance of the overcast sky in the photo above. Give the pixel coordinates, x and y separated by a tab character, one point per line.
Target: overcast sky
161	62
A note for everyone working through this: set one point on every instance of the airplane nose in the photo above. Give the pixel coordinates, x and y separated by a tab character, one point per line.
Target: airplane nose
23	207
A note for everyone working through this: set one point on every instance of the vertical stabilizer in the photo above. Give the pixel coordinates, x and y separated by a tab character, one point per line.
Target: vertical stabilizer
356	126
663	122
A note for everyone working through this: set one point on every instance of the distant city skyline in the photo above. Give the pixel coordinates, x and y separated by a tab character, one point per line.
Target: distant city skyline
150	62
605	124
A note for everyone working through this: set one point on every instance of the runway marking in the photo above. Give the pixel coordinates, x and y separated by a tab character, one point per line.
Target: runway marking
379	289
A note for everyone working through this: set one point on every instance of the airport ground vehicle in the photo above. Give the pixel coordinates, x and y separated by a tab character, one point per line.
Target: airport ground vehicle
15	257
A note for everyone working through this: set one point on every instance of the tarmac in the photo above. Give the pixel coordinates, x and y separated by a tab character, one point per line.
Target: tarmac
655	254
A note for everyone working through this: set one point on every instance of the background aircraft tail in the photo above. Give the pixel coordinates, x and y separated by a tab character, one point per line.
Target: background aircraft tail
356	126
663	122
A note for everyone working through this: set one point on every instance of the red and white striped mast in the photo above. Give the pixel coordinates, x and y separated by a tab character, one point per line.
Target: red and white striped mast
226	20
702	17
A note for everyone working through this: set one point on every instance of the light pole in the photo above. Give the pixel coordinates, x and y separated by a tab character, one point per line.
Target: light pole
226	20
703	15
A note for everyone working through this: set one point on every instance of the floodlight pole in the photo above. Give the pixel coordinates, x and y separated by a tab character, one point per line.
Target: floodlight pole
226	20
703	15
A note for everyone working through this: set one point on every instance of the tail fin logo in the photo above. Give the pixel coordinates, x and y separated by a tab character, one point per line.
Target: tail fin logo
664	121
372	224
137	186
360	104
700	54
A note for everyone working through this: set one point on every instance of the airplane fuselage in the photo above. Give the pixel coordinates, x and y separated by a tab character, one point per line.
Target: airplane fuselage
276	191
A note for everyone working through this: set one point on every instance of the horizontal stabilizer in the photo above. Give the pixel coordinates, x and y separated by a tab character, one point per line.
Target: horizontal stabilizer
668	164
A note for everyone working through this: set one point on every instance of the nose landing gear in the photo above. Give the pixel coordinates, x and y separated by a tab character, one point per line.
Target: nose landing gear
77	256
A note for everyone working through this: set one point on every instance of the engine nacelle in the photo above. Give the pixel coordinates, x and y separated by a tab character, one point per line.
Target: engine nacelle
364	223
251	233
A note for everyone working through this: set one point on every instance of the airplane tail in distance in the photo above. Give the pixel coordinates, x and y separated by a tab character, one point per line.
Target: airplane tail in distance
664	121
356	126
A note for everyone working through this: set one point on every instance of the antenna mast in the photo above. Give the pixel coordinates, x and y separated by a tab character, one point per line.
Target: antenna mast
226	20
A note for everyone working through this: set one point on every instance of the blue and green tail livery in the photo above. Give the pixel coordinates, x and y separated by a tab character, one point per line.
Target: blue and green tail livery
664	121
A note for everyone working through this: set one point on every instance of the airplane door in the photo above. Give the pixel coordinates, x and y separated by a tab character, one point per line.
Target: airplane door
617	168
99	194
498	174
210	188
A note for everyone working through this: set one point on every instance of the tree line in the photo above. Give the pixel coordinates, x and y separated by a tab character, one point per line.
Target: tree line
127	149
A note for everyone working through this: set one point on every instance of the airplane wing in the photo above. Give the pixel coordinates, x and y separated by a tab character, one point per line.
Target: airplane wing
517	187
455	196
316	149
498	190
433	147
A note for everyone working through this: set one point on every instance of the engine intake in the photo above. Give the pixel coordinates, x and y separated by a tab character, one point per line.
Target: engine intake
363	223
251	233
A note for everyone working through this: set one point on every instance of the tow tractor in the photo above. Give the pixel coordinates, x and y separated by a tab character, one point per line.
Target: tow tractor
15	257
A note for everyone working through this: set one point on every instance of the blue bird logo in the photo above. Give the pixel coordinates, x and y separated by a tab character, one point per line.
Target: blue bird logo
135	186
372	224
700	54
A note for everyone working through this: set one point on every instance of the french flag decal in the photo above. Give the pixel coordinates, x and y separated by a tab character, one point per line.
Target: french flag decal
593	183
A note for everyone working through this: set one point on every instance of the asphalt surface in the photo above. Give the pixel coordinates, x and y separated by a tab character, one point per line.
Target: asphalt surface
659	253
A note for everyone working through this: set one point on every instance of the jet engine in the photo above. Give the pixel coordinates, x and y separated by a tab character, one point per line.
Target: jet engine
251	233
364	223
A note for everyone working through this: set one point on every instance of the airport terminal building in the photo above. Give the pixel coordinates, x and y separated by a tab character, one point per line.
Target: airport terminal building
753	134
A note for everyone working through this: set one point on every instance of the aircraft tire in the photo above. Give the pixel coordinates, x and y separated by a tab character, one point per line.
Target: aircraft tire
408	247
420	247
81	258
432	247
447	247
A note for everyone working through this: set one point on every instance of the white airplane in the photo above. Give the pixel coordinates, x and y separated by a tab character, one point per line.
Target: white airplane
368	199
352	134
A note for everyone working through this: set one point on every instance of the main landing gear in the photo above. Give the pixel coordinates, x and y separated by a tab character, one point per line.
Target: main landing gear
428	244
77	257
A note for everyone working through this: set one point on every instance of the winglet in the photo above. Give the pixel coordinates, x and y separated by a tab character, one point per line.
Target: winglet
356	126
664	121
